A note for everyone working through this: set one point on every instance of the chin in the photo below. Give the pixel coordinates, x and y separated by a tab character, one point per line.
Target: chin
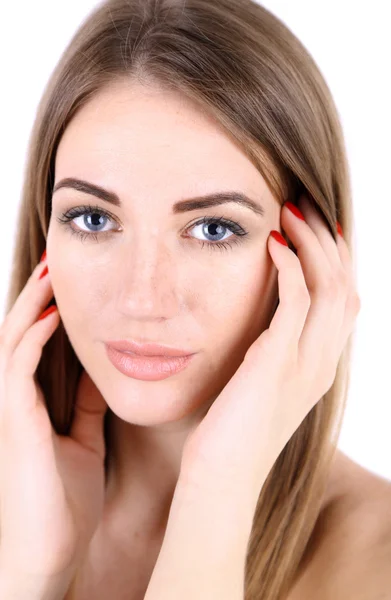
147	403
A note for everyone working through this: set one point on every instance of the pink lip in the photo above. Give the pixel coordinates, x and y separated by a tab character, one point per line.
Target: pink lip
147	368
150	349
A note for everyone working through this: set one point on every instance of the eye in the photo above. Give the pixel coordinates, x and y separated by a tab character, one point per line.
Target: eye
91	217
215	229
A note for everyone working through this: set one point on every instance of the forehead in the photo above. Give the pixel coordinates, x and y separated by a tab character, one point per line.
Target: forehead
135	137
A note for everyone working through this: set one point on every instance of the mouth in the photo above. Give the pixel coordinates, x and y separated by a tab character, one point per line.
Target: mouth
146	368
150	349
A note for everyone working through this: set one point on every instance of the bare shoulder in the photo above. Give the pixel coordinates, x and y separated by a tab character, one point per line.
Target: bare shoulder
350	550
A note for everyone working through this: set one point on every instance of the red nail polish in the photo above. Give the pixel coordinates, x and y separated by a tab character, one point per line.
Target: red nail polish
43	256
44	272
47	312
295	210
339	228
277	236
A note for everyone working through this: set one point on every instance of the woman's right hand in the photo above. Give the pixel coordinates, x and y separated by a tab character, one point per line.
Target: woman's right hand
51	486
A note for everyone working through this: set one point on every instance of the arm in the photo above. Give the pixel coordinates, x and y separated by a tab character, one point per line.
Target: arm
205	546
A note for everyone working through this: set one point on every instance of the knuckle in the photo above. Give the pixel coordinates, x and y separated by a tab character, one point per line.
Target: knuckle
3	362
329	288
341	278
15	359
11	365
300	290
302	296
4	346
354	303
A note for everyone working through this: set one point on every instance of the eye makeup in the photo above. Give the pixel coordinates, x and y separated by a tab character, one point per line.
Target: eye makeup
219	223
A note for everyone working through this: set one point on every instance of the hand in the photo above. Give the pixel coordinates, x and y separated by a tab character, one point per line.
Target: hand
287	370
51	486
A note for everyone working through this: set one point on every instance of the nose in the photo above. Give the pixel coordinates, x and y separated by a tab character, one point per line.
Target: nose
148	284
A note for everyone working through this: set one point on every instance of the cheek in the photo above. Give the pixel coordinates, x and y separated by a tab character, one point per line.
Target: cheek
240	306
81	307
75	290
237	315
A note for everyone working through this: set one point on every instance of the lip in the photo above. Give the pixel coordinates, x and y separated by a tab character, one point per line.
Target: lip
149	349
147	368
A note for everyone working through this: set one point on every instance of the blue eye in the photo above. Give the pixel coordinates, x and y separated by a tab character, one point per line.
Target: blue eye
86	211
211	226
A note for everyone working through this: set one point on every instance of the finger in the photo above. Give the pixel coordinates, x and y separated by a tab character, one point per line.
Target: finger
348	266
318	224
26	357
316	265
28	306
294	300
23	400
300	278
353	302
331	248
336	250
89	411
328	290
339	255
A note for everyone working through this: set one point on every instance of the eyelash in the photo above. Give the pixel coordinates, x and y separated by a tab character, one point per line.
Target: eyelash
79	211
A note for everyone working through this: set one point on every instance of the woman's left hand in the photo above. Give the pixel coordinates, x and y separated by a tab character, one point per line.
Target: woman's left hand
287	370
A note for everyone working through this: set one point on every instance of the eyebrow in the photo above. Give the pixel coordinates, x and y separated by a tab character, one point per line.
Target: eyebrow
195	203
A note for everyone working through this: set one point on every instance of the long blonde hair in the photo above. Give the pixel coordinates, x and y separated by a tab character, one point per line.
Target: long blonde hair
247	69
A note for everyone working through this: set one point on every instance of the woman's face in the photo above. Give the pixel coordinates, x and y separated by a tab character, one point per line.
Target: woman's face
144	272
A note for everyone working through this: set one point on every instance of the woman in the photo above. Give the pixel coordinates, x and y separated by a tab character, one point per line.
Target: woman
156	110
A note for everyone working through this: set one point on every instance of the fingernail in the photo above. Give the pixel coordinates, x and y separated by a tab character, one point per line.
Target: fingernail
339	228
277	236
295	210
47	312
44	272
43	256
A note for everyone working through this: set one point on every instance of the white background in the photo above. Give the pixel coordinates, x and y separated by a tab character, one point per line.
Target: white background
351	44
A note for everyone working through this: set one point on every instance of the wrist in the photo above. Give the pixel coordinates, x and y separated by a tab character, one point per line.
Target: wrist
227	501
213	521
204	548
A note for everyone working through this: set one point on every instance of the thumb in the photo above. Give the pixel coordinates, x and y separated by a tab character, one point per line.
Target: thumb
90	409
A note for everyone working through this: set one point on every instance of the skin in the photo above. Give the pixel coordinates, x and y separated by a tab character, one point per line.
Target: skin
148	277
148	280
349	553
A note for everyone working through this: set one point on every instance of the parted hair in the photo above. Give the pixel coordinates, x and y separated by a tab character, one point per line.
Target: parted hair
246	68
